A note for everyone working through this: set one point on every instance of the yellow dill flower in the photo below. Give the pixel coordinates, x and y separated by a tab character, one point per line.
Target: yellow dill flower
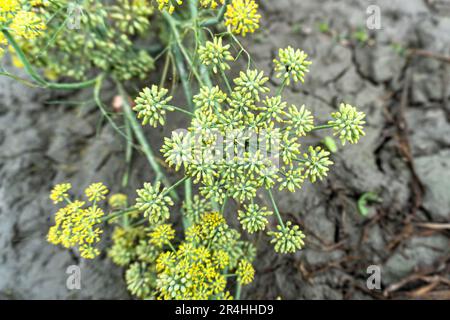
88	252
36	3
75	225
242	16
162	235
27	25
218	283
9	5
245	272
168	5
59	192
96	191
221	259
118	201
165	260
211	3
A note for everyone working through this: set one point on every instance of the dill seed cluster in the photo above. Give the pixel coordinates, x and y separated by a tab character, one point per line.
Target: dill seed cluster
243	139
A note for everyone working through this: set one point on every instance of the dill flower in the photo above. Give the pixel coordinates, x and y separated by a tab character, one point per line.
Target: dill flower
214	190
210	224
96	192
162	235
292	178
195	210
251	82
287	239
253	218
145	252
274	108
9	5
59	192
241	102
88	252
209	99
165	260
242	16
316	163
152	104
245	272
118	201
140	280
221	258
215	54
218	283
168	5
244	189
27	25
292	64
300	121
289	148
122	251
348	123
211	3
178	149
154	203
131	16
76	226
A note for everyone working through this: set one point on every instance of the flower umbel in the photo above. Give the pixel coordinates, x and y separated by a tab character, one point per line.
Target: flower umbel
59	192
154	203
96	192
242	16
316	163
152	104
292	64
287	239
245	272
215	54
348	123
253	218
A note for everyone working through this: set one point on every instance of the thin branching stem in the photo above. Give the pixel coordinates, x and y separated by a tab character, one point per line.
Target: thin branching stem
140	136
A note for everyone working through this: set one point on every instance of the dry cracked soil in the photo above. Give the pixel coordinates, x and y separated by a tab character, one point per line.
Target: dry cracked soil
398	75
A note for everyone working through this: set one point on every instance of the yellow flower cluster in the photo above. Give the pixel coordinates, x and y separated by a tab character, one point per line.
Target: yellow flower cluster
211	3
242	16
168	5
245	272
76	224
21	22
196	270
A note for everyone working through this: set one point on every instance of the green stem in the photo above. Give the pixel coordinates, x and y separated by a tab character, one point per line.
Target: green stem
183	76
176	34
225	79
188	201
229	275
218	18
36	77
222	209
117	214
238	291
137	129
324	126
176	184
275	208
183	111
128	153
171	247
281	88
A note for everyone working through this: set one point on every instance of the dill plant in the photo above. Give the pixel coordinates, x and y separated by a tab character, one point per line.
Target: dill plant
242	140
